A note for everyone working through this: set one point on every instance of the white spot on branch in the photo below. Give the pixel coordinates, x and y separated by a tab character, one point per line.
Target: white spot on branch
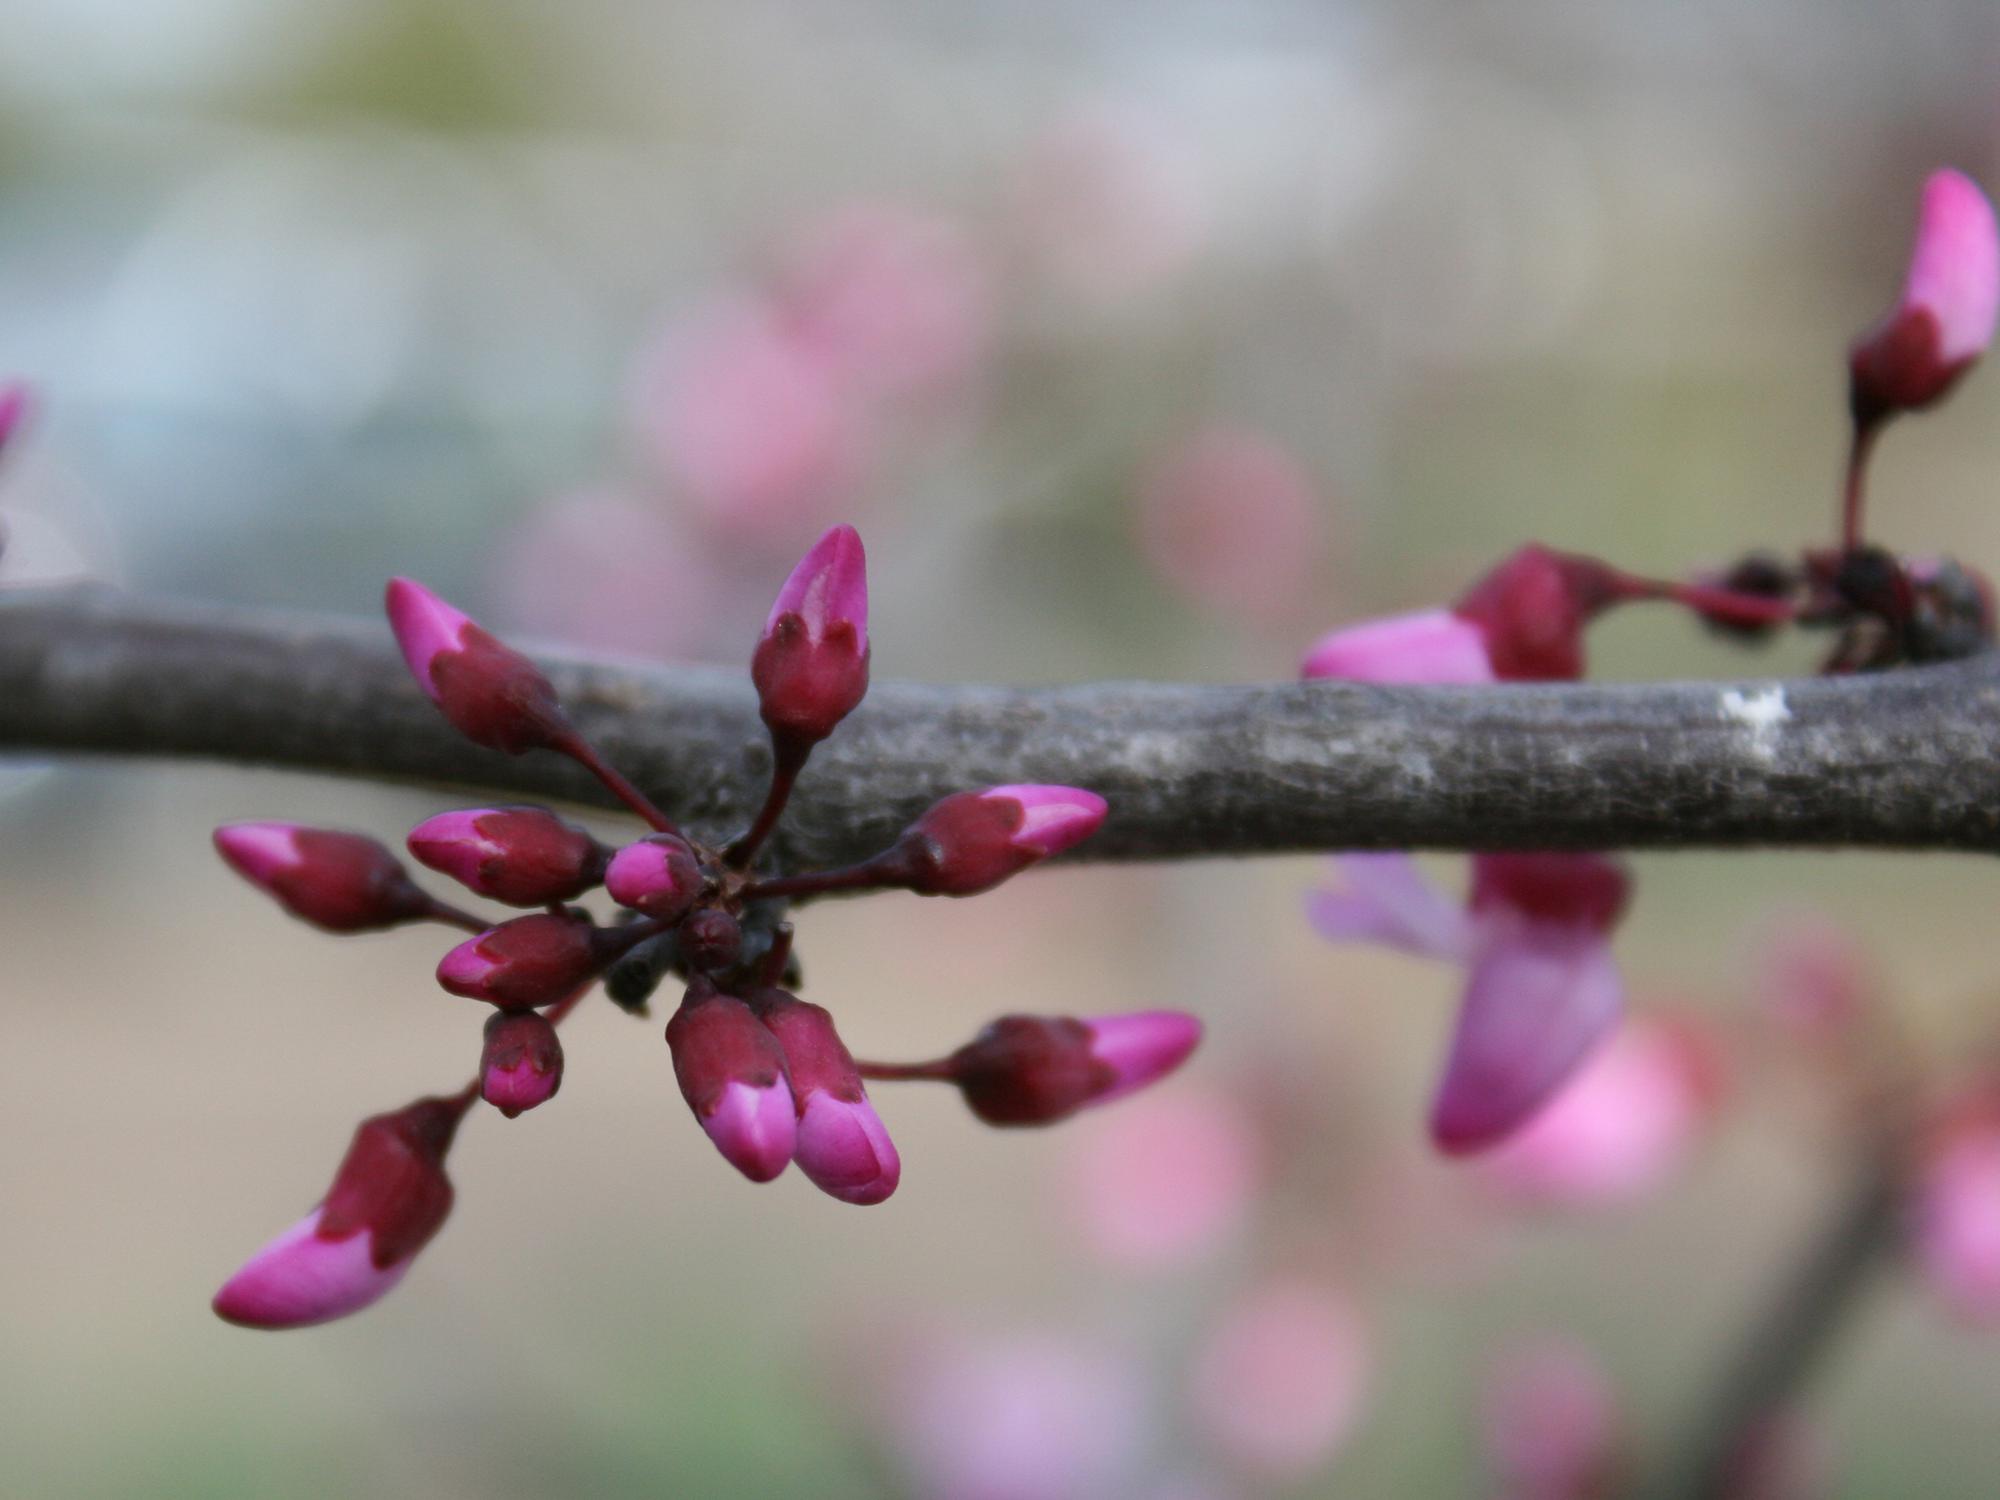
1760	713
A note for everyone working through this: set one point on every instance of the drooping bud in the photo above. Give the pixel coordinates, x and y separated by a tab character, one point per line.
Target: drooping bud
529	961
524	856
1035	1070
811	664
1944	319
1542	993
1532	609
842	1144
731	1071
1431	645
971	841
521	1064
387	1200
340	882
492	694
659	876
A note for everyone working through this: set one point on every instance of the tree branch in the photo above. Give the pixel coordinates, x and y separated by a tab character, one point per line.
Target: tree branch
1904	759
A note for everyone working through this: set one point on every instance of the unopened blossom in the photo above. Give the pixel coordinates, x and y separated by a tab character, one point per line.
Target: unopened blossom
1035	1070
341	882
524	856
389	1197
842	1145
1944	318
521	1063
529	961
731	1071
811	663
492	694
659	875
971	841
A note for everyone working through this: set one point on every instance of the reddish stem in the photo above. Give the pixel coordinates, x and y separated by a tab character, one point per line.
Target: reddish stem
453	916
1853	495
580	750
870	874
788	758
938	1070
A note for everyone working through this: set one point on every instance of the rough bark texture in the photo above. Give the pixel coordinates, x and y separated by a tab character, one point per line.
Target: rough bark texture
1907	759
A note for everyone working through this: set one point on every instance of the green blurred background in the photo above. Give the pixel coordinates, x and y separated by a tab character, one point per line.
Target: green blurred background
317	293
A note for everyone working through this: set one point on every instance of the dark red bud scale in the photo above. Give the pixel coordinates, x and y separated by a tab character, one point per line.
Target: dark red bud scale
340	882
524	856
530	961
392	1180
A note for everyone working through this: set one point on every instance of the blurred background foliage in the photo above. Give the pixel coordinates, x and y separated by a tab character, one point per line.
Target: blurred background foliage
1142	340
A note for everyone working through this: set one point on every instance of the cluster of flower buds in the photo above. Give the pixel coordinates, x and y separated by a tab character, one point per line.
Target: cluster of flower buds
765	1072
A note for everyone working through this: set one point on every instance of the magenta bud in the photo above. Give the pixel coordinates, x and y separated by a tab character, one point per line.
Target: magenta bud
971	841
658	875
492	694
1532	609
843	1146
527	961
1944	318
388	1199
341	882
1035	1070
732	1073
521	1064
1432	645
524	856
811	663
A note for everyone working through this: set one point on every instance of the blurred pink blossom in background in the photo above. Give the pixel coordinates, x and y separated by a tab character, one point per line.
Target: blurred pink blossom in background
753	423
1620	1127
896	302
1109	204
1230	519
603	570
1550	1424
1957	1216
1167	1179
1020	1416
1282	1378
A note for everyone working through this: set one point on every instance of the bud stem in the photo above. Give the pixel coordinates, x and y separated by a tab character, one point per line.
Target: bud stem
1859	448
871	874
580	750
939	1070
1724	605
788	758
453	916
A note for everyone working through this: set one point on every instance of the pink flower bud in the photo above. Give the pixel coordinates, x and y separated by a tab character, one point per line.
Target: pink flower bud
732	1073
1542	993
1532	609
492	694
387	1200
1432	645
341	882
1035	1070
1944	319
659	876
527	961
811	664
971	841
524	856
521	1064
842	1145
